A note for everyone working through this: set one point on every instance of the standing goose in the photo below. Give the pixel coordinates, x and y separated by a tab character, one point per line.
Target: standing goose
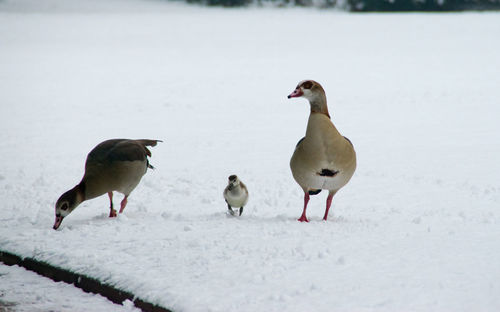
323	159
113	165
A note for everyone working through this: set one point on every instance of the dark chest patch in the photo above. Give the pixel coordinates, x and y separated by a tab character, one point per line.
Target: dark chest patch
327	173
314	192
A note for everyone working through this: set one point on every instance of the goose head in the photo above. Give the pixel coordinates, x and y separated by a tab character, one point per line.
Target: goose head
233	181
66	204
314	93
309	89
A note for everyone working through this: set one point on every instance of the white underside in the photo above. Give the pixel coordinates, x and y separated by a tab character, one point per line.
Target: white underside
236	199
316	182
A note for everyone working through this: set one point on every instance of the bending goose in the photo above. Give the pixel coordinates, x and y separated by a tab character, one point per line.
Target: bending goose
113	165
235	194
323	159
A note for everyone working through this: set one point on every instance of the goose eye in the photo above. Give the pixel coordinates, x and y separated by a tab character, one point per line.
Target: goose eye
64	206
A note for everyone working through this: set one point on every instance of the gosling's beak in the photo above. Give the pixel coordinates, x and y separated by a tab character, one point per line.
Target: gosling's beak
58	222
296	93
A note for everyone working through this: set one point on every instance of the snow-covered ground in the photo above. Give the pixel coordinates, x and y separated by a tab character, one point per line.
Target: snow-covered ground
416	229
22	290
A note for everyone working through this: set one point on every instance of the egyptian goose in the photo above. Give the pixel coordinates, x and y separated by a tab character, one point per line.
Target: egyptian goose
113	165
323	159
235	194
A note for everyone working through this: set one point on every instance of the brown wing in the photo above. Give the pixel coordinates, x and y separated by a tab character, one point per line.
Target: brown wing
120	150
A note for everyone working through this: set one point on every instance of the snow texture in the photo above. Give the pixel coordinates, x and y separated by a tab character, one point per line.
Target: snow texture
416	229
22	290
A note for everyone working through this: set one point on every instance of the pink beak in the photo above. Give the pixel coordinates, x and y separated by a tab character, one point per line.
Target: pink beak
58	222
296	93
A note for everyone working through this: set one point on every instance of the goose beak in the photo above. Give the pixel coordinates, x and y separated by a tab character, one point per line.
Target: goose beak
296	93
58	222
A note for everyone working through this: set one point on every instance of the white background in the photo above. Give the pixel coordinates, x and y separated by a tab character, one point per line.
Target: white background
416	229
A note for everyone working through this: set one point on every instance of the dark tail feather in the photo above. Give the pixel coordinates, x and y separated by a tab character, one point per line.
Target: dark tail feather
147	142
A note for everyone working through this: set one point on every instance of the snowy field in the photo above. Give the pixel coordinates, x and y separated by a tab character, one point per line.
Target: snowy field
25	291
416	229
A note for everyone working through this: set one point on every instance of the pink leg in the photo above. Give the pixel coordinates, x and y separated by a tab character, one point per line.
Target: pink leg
123	203
328	204
112	212
306	200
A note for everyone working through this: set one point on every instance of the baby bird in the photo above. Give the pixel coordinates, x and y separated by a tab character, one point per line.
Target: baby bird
235	194
113	165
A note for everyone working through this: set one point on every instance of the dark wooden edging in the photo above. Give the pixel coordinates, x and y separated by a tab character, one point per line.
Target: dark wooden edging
86	283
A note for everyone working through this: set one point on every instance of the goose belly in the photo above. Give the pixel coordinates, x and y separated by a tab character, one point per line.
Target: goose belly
129	176
236	199
315	181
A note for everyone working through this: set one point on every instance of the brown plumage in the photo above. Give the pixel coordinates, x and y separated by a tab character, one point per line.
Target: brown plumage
323	159
113	165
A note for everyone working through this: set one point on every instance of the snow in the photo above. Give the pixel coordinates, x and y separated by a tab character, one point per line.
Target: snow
417	227
22	290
